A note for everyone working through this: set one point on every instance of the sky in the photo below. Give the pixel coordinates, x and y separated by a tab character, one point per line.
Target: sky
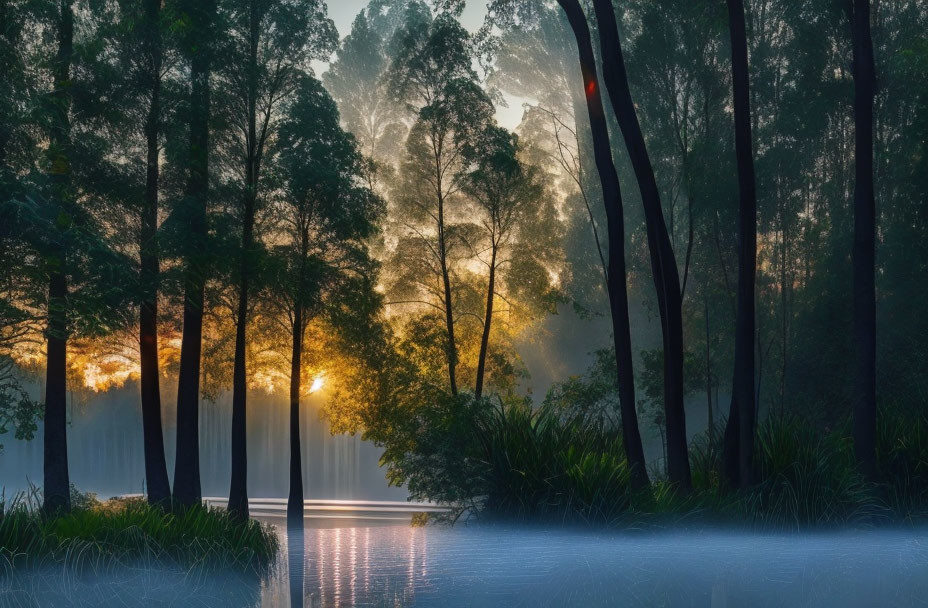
343	13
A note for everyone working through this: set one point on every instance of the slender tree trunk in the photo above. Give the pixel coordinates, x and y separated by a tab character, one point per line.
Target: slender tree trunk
56	483
864	255
295	498
451	347
488	318
187	490
663	261
156	472
616	283
710	414
238	488
739	447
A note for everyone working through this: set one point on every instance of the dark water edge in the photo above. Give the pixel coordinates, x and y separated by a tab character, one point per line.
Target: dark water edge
339	562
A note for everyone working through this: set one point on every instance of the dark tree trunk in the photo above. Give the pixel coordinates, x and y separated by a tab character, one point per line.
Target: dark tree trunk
487	320
663	261
156	472
451	346
56	484
238	488
295	498
864	262
616	279
710	413
739	447
187	490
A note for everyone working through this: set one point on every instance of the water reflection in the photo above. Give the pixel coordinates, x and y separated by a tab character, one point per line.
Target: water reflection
360	564
296	544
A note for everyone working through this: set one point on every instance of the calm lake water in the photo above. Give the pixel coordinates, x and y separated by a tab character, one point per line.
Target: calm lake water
358	563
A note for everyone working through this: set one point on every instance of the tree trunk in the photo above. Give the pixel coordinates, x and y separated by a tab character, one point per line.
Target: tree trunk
663	261
187	490
156	472
616	283
864	255
739	447
238	488
451	347
488	318
710	414
295	498
56	484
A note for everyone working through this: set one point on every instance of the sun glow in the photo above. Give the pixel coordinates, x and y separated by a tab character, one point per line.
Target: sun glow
317	384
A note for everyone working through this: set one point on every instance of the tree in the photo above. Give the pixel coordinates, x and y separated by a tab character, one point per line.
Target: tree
197	40
616	276
507	194
327	214
133	80
357	79
432	72
663	260
864	242
269	44
739	433
56	484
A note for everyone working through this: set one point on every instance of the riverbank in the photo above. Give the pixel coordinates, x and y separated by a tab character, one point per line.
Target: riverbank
123	532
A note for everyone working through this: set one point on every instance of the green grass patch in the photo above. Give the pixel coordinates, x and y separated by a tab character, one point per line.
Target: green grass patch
130	532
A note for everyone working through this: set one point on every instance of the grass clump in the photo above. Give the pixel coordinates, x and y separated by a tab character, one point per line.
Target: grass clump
553	463
130	531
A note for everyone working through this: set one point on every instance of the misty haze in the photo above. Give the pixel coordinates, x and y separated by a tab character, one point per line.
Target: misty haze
463	303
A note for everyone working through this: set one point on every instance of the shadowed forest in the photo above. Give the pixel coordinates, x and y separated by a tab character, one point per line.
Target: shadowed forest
720	206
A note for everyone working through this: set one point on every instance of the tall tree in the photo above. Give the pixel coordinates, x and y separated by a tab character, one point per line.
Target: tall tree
151	73
433	73
56	485
864	242
327	213
506	192
270	43
739	434
663	260
616	275
197	40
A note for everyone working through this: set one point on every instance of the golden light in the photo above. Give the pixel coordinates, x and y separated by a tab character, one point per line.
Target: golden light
317	384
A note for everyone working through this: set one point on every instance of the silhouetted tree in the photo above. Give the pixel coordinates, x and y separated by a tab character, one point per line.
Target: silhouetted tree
663	260
197	40
616	276
327	212
270	44
864	256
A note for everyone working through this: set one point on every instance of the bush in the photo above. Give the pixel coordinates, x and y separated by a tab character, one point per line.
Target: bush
507	459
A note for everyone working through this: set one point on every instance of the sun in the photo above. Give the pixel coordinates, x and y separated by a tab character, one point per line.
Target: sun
317	384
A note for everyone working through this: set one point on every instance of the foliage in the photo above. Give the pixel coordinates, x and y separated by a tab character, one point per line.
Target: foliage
129	531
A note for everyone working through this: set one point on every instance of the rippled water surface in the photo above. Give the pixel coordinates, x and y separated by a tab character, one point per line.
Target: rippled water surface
498	566
356	563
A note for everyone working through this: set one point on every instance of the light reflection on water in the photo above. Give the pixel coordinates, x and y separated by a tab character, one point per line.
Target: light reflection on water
499	566
334	563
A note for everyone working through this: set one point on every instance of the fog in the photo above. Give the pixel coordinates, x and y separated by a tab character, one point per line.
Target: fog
492	566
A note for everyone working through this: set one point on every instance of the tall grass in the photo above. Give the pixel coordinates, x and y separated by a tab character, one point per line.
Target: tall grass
543	464
129	532
540	464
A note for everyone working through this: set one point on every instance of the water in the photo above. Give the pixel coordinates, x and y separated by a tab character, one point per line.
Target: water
332	563
105	449
499	566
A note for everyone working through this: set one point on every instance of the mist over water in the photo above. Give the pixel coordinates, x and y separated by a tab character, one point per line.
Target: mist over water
359	564
105	450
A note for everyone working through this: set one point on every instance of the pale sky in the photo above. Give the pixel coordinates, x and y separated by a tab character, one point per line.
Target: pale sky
343	13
